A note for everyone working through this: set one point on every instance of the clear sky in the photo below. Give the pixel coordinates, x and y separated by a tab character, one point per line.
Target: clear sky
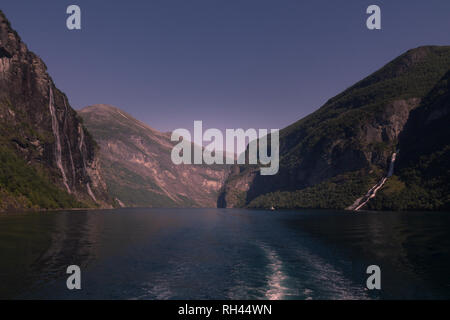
229	63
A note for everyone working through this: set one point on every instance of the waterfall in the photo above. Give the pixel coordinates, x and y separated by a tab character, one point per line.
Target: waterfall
68	142
88	187
121	204
371	193
55	128
361	202
81	145
391	165
83	156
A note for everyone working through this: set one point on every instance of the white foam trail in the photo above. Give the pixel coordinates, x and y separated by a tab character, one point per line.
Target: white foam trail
55	128
328	279
276	290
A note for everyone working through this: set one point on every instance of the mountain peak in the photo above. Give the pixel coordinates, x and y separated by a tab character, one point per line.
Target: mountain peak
102	112
101	108
10	40
413	57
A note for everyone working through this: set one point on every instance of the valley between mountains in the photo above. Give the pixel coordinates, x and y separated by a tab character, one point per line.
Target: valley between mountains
52	156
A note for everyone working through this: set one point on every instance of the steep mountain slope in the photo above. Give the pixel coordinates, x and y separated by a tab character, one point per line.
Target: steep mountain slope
47	157
423	168
335	155
137	166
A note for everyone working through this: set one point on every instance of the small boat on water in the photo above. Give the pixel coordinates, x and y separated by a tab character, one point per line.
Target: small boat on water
272	208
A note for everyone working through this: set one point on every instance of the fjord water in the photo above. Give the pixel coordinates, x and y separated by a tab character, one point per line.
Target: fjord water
224	254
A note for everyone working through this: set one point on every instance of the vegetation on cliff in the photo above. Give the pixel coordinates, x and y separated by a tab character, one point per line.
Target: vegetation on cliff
423	170
23	186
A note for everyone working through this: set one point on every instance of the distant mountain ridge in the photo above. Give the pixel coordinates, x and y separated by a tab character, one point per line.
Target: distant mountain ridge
137	165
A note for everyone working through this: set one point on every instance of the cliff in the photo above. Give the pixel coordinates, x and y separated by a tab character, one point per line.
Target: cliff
422	169
48	158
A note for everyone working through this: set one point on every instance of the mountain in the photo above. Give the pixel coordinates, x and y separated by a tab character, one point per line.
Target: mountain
137	165
47	157
339	156
423	167
381	144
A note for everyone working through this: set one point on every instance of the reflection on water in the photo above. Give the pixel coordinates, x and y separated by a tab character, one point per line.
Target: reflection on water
224	254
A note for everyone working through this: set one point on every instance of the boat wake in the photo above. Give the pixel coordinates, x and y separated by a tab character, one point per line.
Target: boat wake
276	289
320	279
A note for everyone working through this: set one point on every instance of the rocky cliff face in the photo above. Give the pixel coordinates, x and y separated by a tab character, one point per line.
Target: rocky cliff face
38	125
333	156
422	174
137	165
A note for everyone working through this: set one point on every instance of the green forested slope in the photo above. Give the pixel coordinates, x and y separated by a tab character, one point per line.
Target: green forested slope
335	154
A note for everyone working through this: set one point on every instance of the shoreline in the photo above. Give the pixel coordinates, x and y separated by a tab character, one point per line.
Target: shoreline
344	211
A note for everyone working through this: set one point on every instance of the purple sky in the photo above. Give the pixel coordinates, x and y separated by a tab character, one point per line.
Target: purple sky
229	63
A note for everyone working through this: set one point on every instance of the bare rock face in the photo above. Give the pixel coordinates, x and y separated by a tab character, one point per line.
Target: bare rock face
137	166
234	192
38	123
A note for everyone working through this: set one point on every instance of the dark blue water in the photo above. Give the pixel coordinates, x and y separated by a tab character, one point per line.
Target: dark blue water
224	254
